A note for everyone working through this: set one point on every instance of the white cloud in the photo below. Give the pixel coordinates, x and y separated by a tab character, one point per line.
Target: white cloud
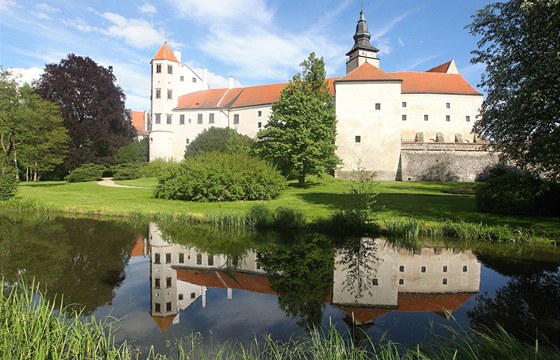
148	8
138	33
219	11
7	6
79	24
28	75
46	8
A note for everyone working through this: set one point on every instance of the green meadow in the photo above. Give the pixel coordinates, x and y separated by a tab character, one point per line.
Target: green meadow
427	202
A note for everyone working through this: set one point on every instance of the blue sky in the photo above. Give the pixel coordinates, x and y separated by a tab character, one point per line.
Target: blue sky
255	41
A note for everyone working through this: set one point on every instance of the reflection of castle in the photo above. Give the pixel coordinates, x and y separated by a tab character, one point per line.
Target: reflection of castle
432	279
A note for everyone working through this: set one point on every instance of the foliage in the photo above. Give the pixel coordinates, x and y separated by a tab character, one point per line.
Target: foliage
158	167
519	46
225	140
128	171
136	151
8	182
32	133
221	177
282	217
300	135
518	193
87	172
92	106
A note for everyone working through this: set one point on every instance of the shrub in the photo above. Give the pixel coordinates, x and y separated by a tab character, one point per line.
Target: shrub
224	140
261	216
129	171
221	177
87	172
136	151
286	217
518	193
157	168
8	182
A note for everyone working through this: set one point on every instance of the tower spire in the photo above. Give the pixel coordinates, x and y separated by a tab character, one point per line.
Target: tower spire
362	51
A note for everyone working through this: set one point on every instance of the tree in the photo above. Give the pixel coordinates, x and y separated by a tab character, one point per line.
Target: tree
92	106
300	135
224	140
136	151
32	133
520	43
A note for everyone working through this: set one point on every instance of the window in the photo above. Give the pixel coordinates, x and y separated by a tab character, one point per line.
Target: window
448	105
181	258
158	118
169	94
401	281
444	268
180	296
181	119
403	117
181	78
158	93
168	258
447	117
170	69
357	139
465	268
193	295
157	259
259	113
377	106
374	282
444	281
425	117
259	124
210	260
157	307
158	68
211	118
198	259
169	118
404	104
168	306
467	118
168	282
401	268
199	119
156	283
194	80
423	269
188	141
235	119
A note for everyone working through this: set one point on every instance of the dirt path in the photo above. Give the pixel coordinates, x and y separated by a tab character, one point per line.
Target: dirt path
108	181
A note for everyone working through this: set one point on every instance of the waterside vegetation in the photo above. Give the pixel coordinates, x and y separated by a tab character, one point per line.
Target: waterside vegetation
430	209
32	327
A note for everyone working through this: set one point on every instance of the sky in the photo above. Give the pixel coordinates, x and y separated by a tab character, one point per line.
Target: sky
254	41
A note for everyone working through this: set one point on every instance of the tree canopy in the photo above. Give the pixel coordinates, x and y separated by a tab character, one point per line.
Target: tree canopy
224	140
519	45
92	106
300	135
32	132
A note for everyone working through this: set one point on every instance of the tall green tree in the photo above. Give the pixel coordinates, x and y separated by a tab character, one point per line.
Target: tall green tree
520	47
92	106
300	135
32	132
224	140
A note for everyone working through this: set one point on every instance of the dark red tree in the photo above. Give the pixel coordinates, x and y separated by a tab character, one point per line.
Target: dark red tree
92	106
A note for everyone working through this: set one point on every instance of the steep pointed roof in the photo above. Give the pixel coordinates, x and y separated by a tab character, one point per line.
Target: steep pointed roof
368	72
362	36
163	322
165	53
447	68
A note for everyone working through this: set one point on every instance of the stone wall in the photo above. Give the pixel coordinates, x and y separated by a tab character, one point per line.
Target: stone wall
444	161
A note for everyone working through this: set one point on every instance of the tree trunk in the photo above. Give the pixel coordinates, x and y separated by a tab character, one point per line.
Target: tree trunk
301	180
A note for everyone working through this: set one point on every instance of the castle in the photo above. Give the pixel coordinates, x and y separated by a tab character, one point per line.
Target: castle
393	125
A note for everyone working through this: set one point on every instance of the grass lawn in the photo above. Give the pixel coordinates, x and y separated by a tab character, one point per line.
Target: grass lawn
425	201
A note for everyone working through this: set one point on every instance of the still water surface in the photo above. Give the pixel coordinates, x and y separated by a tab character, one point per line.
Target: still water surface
169	281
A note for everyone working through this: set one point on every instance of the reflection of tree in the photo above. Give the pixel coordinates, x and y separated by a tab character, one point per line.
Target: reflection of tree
357	255
301	274
86	258
527	307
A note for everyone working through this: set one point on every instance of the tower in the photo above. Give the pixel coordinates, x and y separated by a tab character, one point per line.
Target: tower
165	69
362	51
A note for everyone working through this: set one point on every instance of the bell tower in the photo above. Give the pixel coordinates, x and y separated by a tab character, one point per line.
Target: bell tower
362	51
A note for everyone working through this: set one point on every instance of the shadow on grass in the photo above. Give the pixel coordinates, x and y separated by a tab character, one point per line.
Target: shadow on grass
42	184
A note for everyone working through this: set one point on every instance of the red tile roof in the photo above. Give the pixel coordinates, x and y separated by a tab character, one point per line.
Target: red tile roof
164	322
434	83
138	122
165	53
138	248
232	279
368	72
443	68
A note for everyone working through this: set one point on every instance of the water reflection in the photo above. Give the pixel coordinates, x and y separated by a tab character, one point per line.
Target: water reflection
365	279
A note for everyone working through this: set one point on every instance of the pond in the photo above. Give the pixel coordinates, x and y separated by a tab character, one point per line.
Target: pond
168	281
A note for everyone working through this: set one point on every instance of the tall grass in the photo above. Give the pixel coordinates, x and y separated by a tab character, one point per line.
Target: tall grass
473	231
